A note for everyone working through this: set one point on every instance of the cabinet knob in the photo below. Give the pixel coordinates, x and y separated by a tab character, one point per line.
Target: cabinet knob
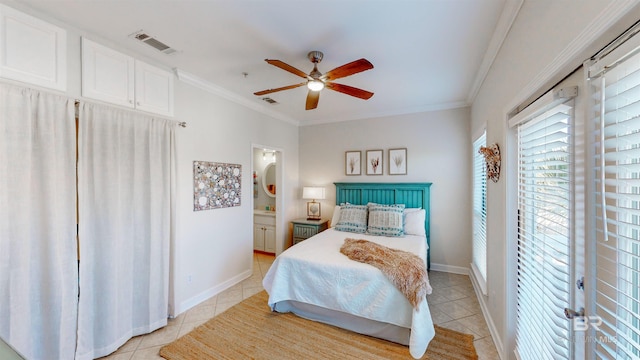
130	101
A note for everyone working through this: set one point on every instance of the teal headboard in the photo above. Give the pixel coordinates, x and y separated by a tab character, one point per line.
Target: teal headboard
412	195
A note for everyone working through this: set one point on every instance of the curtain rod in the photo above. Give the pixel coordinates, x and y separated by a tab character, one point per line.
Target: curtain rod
182	124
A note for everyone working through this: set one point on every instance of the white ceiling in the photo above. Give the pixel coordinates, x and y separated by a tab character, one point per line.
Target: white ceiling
427	54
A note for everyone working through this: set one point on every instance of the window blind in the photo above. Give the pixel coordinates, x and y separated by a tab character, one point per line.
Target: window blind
544	232
616	114
479	264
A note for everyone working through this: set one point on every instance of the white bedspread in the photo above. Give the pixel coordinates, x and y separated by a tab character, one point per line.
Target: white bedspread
315	272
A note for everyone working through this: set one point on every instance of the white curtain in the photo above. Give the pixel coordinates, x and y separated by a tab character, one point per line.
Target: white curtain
124	192
38	253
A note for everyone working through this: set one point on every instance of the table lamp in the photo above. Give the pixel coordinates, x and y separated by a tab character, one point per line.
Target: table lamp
313	208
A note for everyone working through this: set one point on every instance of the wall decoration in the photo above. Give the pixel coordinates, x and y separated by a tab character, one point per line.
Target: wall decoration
374	162
216	185
398	161
255	185
352	163
492	159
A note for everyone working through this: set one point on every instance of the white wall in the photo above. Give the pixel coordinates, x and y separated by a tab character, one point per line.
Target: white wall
214	248
548	40
438	151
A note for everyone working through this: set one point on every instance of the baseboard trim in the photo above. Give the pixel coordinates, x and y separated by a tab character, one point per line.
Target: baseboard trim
485	311
450	269
209	293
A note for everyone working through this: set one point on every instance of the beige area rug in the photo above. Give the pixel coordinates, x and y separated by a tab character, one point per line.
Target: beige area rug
250	330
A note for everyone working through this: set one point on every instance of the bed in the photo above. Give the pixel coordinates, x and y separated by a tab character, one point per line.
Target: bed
315	281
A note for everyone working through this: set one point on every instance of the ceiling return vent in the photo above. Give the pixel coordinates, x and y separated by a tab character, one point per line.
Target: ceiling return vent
269	100
153	42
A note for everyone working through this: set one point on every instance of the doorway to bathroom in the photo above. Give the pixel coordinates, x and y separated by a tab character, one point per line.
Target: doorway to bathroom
266	181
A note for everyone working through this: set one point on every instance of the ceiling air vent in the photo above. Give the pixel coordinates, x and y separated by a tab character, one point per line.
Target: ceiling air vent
269	100
153	42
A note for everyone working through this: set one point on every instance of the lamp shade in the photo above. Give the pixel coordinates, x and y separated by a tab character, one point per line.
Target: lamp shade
312	192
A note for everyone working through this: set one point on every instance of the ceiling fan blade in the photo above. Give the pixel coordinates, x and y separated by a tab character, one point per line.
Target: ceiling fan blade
269	91
289	68
349	90
351	68
312	100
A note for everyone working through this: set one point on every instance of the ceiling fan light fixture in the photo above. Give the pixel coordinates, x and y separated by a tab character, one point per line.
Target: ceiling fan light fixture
317	81
315	85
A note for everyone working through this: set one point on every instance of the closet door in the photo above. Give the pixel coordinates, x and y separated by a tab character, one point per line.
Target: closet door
107	75
124	193
38	256
32	50
154	89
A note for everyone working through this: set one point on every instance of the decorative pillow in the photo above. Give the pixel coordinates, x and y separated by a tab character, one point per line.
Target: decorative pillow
386	220
336	216
353	218
414	222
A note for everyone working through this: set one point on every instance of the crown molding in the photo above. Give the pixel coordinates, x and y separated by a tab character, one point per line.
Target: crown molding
604	21
397	112
205	85
507	18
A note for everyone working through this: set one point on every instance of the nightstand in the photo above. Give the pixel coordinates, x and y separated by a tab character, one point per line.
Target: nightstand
304	229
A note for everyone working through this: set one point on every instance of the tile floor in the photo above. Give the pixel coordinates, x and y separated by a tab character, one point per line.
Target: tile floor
453	304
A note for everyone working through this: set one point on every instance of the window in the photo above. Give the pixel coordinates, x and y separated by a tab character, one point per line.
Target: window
545	185
615	86
479	264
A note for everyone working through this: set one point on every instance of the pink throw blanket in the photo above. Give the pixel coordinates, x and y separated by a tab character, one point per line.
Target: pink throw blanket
405	270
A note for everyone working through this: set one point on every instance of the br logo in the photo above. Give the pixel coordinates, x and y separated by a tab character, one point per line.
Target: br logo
582	323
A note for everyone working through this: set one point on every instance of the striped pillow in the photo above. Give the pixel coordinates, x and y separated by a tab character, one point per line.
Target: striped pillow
385	220
353	218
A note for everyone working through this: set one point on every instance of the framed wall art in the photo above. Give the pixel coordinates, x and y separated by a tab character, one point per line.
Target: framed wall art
352	163
398	161
216	185
375	162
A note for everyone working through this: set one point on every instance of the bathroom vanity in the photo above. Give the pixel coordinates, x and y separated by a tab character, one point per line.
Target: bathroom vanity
264	231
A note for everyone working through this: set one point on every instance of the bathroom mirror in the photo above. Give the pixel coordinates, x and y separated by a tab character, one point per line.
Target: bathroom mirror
269	179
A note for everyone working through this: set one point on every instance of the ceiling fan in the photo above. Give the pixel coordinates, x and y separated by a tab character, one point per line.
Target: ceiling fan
317	81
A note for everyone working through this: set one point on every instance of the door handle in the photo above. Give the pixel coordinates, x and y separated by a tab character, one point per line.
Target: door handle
571	314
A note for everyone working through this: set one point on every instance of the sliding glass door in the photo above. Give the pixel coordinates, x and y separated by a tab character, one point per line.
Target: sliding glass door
615	112
578	213
546	266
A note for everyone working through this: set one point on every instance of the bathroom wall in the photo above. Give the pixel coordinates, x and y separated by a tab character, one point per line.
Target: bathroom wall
262	200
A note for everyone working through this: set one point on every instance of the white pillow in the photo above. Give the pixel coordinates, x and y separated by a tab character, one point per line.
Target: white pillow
414	222
336	216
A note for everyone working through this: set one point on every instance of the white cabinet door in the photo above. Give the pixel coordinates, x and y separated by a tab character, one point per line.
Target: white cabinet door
32	50
116	78
107	75
270	239
154	89
258	237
